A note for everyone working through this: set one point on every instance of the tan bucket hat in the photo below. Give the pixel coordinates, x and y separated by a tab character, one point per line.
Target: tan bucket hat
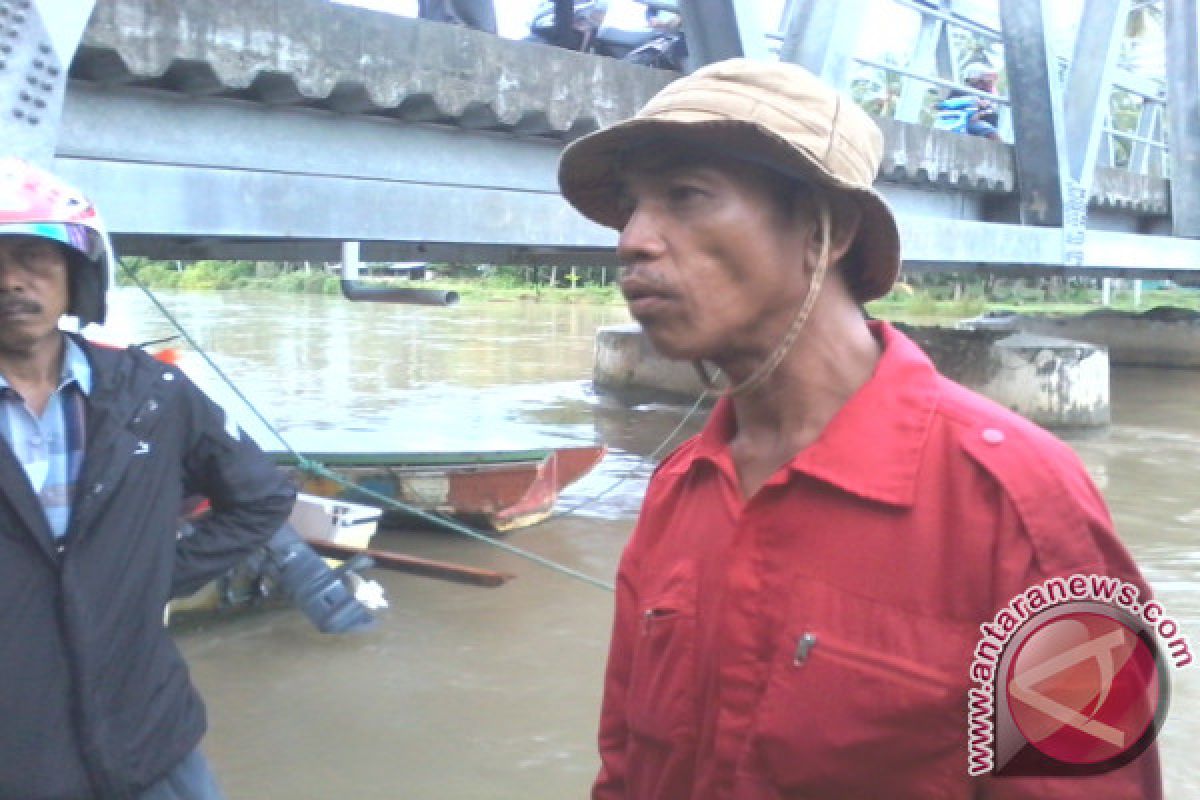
775	114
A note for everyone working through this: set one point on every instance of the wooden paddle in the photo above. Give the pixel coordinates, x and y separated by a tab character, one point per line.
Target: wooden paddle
442	570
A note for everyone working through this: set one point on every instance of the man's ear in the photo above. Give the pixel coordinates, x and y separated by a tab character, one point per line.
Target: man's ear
844	219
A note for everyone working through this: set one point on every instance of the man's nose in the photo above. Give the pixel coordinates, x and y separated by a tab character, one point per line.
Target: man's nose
640	239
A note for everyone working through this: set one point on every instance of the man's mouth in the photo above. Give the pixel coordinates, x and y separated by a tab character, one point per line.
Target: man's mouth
18	309
644	297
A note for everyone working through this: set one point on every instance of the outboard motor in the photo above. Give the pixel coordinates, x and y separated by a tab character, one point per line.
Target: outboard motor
316	589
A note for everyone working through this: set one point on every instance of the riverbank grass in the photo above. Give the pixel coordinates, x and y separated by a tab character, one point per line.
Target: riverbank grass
905	302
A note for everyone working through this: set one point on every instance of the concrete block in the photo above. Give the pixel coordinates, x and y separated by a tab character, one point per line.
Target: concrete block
1057	383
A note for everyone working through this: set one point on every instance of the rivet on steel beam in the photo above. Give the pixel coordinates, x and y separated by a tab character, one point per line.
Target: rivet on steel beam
34	120
47	86
39	102
18	113
25	96
44	49
38	63
51	70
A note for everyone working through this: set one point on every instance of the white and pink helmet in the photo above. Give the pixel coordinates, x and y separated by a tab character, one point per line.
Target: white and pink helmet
35	203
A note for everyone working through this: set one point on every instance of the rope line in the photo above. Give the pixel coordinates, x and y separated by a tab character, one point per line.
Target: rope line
317	468
653	458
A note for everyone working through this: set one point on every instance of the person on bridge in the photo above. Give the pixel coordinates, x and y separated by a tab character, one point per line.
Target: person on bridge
477	14
964	112
98	448
798	606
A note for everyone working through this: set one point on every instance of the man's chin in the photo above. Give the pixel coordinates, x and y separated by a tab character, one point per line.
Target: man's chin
18	342
671	348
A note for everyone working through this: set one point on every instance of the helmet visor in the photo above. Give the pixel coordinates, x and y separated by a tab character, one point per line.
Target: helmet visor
77	237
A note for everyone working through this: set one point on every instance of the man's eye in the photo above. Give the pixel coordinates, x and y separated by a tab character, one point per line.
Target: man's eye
684	193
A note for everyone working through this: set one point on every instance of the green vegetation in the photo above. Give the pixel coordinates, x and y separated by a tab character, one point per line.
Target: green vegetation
925	296
224	275
952	296
592	285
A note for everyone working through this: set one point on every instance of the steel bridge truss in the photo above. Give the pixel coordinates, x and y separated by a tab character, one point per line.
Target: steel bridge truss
189	163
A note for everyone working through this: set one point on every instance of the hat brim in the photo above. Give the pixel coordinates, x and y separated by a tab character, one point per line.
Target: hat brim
589	180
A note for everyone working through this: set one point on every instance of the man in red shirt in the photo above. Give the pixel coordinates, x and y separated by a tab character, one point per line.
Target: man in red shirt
798	606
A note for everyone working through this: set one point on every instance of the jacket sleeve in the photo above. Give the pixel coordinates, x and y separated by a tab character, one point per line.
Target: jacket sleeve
1068	532
614	730
249	496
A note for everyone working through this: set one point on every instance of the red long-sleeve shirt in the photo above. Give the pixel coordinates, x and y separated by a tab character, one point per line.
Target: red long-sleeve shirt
816	639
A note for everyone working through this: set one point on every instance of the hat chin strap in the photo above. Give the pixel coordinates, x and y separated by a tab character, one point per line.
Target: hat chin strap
764	370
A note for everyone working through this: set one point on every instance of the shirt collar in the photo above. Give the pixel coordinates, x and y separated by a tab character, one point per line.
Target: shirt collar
75	368
872	446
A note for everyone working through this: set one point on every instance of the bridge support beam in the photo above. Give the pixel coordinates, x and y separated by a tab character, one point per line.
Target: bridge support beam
1089	83
821	37
37	42
927	57
1040	150
720	29
1183	96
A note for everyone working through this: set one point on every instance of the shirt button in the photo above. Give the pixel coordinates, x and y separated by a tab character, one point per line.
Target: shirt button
35	441
992	436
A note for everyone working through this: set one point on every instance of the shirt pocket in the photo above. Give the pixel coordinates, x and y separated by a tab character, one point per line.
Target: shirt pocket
661	697
864	698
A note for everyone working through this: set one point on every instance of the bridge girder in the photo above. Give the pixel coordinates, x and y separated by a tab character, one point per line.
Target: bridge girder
204	136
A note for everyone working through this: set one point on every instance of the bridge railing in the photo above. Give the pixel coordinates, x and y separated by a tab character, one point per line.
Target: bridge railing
949	38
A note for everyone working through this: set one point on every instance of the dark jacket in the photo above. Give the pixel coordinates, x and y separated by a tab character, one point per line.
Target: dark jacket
95	699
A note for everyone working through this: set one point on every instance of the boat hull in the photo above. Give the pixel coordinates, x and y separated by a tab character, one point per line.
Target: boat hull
497	491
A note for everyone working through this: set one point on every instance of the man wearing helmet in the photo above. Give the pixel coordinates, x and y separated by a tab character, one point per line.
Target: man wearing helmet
98	448
797	608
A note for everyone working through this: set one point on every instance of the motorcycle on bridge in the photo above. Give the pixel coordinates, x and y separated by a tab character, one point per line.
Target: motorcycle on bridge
646	32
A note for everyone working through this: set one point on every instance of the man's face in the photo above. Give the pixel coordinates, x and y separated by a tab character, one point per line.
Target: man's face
33	292
712	250
985	83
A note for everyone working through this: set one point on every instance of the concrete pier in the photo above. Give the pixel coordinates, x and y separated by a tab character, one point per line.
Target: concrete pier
1057	383
1160	337
628	367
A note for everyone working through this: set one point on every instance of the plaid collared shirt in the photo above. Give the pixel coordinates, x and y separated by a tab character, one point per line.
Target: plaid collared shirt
50	448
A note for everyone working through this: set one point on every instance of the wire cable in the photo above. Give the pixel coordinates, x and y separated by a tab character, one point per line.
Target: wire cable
653	458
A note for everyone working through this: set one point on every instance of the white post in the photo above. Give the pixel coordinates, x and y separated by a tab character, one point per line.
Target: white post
1106	292
1137	294
350	261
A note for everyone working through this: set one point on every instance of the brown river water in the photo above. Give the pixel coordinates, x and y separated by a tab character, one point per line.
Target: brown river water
463	692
